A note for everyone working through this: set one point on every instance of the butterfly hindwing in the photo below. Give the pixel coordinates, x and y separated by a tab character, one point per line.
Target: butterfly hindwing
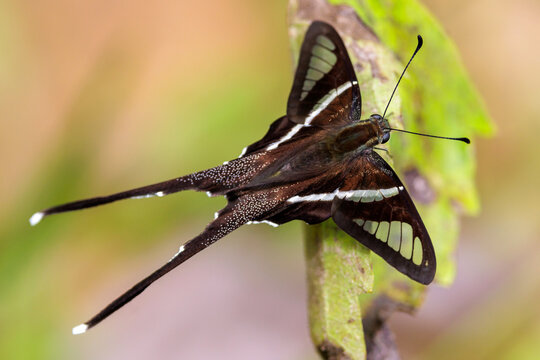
376	210
325	90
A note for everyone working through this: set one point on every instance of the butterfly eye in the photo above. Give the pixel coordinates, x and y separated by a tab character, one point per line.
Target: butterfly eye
385	137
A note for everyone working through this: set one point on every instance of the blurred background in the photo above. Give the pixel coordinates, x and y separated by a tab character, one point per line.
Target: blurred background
97	97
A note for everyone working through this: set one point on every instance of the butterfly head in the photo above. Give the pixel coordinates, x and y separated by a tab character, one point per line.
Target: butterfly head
383	128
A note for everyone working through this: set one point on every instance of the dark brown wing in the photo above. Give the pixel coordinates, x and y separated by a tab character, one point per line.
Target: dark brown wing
374	208
325	91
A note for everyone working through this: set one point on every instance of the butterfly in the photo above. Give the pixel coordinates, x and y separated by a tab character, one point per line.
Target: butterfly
316	162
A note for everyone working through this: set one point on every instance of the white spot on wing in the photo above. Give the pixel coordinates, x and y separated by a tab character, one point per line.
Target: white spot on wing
371	226
326	42
159	193
324	53
320	65
314	74
273	224
369	196
180	250
36	218
382	232
389	192
406	240
314	197
351	195
417	251
244	150
79	329
394	235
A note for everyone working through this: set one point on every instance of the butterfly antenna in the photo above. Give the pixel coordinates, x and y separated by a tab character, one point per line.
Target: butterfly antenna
420	42
464	139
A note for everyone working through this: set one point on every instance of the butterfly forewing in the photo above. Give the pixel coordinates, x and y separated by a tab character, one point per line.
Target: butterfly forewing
325	91
375	209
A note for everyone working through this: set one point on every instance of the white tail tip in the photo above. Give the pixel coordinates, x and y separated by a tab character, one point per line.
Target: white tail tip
36	218
79	329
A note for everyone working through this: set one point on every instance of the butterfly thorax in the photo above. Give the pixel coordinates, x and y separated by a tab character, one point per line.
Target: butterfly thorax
363	134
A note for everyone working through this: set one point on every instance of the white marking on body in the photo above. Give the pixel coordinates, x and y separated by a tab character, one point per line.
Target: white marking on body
79	329
209	194
160	194
226	162
321	105
216	215
36	218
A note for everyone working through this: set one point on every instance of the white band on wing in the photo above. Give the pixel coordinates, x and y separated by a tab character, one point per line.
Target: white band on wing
352	195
